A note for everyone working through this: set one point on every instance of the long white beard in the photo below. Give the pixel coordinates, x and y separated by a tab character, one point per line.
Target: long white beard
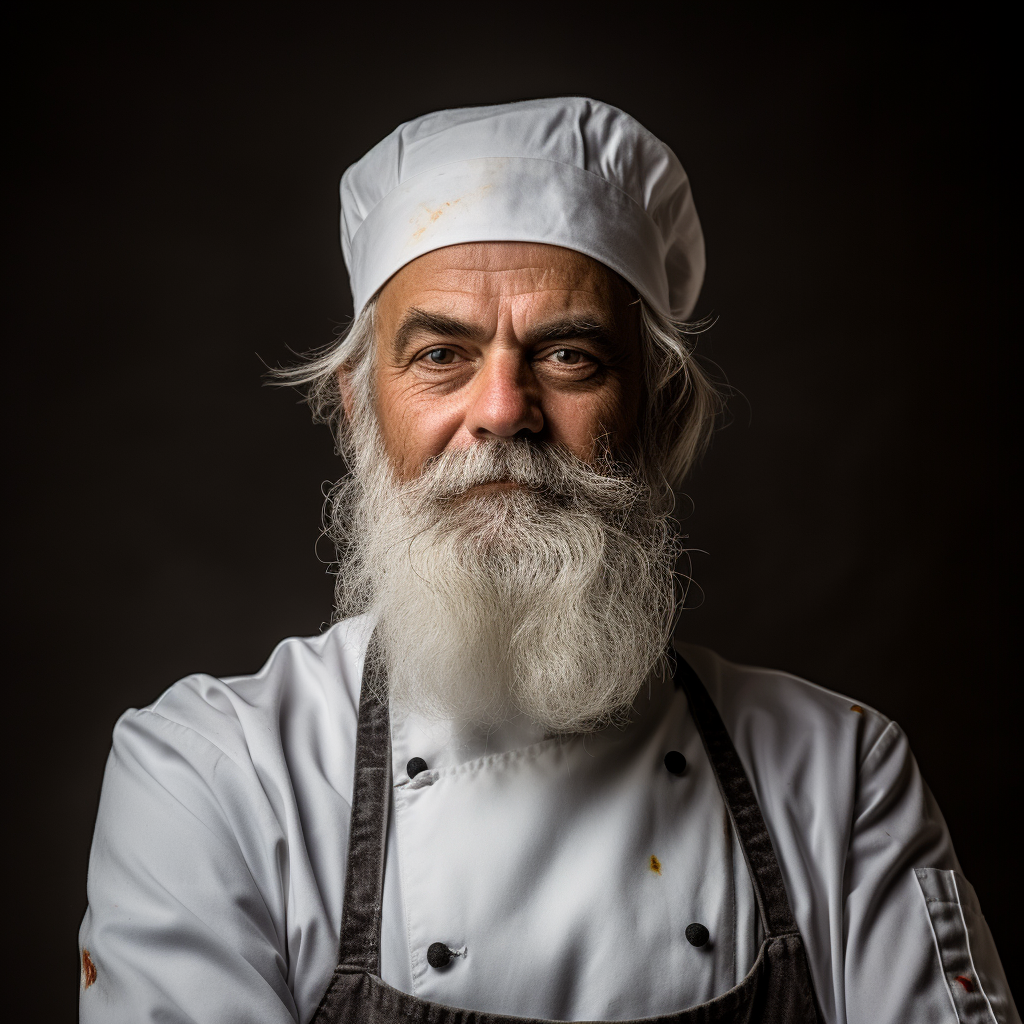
554	600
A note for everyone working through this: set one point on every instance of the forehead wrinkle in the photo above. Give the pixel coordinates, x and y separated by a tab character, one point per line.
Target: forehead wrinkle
526	289
575	297
417	315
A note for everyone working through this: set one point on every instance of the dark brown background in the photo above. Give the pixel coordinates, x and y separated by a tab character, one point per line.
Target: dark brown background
175	206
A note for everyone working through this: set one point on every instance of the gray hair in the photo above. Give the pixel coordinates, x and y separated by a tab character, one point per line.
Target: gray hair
682	407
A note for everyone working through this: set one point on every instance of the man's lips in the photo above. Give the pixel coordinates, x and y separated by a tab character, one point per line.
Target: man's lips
483	490
494	485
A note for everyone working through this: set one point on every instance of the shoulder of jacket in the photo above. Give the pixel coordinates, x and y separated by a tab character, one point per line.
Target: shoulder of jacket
302	676
780	705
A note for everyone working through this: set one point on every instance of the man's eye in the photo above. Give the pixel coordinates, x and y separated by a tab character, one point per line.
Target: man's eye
567	356
441	356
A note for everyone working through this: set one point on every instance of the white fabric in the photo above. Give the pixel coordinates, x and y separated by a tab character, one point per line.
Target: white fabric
572	172
216	876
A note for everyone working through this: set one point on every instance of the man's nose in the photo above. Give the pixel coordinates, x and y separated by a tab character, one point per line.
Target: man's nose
505	398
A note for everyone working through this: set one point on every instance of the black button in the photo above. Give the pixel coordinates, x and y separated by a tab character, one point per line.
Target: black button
414	767
675	762
438	954
696	934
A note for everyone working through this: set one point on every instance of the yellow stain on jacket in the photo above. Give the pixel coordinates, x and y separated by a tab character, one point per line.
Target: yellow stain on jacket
655	865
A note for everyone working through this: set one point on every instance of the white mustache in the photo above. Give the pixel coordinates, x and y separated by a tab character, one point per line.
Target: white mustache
546	469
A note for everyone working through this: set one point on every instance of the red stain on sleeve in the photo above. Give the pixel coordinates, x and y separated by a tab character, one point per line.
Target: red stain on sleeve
965	983
88	969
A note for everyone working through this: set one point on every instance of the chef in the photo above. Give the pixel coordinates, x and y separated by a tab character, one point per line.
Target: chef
498	784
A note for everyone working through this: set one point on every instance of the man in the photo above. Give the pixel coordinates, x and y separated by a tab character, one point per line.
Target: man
493	786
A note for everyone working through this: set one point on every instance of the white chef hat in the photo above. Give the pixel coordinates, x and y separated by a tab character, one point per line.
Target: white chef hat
571	171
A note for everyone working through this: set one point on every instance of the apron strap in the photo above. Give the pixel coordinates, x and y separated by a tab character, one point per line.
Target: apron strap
747	820
359	948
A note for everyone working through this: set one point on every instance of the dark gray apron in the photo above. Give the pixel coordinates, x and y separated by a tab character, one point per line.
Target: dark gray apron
777	990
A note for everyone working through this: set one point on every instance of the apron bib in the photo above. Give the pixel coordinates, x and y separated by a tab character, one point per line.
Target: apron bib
777	989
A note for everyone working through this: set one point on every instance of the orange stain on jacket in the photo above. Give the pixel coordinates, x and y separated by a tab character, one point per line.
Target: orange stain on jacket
88	969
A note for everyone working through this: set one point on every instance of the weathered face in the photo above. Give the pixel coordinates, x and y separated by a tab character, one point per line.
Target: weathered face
492	340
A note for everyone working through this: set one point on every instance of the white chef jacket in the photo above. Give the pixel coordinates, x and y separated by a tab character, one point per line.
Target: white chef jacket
563	870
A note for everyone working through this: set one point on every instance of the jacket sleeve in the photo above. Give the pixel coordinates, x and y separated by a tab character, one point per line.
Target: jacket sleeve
916	945
186	898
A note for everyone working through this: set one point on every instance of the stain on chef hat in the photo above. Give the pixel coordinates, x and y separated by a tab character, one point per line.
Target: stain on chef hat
572	172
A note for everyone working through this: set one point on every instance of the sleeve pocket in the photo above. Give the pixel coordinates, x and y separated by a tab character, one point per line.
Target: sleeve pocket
970	964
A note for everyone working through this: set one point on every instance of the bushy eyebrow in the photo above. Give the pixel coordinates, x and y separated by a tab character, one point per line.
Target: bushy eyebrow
422	321
568	327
